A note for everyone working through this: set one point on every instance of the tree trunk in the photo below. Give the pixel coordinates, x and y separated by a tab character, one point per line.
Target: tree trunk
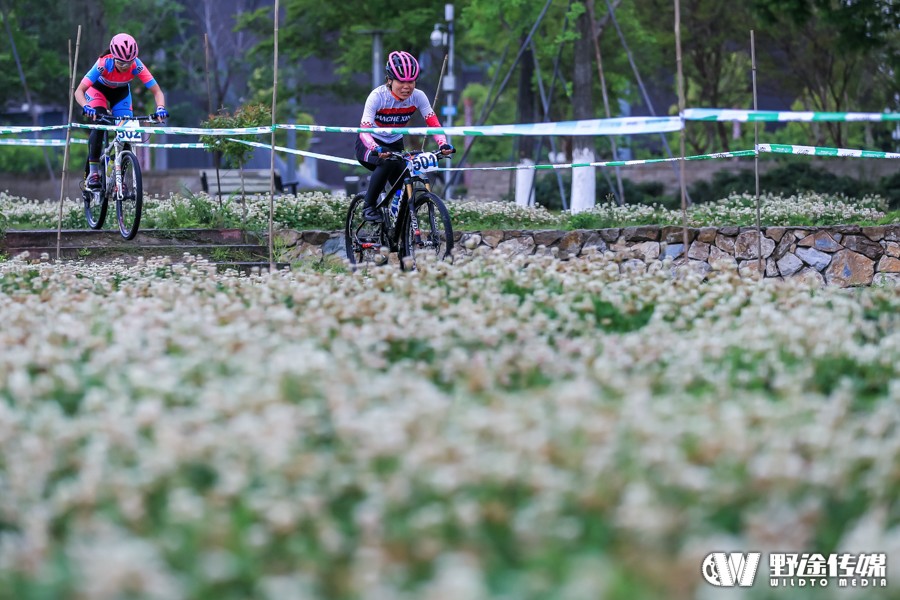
584	182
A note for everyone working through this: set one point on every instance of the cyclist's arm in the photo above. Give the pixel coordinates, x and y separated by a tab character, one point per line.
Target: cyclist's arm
158	95
79	92
431	119
144	75
368	121
89	79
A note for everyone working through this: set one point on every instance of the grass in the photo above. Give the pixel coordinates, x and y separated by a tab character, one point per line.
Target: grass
318	211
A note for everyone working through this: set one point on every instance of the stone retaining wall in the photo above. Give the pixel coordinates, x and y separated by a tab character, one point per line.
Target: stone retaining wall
843	255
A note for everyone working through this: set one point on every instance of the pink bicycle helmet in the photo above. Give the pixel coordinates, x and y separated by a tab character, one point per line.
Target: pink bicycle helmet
123	47
402	66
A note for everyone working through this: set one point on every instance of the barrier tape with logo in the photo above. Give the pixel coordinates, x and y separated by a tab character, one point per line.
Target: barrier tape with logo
825	151
610	126
720	114
59	143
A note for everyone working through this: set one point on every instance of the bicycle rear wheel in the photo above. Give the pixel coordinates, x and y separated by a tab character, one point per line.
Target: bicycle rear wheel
96	202
363	240
430	235
130	202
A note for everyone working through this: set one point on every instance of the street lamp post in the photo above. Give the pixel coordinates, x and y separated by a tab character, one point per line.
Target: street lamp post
443	36
377	53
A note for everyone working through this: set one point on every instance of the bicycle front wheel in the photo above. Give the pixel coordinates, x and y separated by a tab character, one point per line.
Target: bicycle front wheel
130	202
430	234
95	201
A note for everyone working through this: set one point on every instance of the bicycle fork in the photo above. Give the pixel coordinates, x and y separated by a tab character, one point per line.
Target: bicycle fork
413	220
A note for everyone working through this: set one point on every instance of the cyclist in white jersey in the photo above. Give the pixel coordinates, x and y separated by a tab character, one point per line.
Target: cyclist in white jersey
392	105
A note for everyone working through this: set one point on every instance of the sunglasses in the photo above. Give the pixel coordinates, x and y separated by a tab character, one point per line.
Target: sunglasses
122	63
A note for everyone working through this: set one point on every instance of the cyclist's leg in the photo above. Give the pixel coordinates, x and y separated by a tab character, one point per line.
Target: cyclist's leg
383	171
98	101
121	102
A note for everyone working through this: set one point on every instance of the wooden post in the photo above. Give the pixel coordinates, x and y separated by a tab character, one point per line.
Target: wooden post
73	64
437	93
682	133
272	166
762	273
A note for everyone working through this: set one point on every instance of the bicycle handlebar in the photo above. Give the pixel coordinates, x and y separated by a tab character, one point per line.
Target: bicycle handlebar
411	154
111	120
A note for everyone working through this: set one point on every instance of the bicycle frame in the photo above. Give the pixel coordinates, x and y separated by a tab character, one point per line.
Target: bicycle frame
407	233
115	157
413	179
114	149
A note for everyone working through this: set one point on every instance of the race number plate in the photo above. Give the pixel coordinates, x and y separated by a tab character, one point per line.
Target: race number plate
130	134
426	161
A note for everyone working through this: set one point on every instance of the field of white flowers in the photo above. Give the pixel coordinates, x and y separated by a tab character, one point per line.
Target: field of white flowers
315	210
497	428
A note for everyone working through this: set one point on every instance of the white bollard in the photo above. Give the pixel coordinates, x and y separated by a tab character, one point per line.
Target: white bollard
584	182
524	179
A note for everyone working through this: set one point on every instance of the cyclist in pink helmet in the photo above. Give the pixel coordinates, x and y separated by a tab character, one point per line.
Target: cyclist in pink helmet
106	89
392	105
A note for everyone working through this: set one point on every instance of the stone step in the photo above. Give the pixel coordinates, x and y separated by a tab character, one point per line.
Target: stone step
248	267
130	252
20	238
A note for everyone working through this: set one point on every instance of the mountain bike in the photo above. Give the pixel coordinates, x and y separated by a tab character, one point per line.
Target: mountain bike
120	177
415	224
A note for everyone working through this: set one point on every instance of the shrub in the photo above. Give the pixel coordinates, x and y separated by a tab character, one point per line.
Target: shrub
788	179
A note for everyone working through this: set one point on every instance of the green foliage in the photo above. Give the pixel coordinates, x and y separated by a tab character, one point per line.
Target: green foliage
889	189
235	154
546	190
784	180
194	211
42	39
489	149
261	84
609	317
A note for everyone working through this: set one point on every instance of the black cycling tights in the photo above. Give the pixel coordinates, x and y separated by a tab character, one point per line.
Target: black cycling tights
383	171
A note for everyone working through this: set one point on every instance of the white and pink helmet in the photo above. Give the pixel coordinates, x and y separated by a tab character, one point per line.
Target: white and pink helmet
402	66
123	47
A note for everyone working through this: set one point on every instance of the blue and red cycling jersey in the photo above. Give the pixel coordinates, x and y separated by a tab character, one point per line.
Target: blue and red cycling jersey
107	87
105	73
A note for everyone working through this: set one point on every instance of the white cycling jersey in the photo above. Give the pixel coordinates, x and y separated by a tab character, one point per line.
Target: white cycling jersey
384	109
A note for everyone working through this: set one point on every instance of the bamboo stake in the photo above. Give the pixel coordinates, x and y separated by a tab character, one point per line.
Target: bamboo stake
756	155
436	94
73	64
272	166
682	132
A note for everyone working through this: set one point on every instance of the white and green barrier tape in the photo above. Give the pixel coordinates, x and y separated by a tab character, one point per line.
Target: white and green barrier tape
180	130
38	142
719	114
60	143
27	129
614	126
338	159
606	163
824	151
